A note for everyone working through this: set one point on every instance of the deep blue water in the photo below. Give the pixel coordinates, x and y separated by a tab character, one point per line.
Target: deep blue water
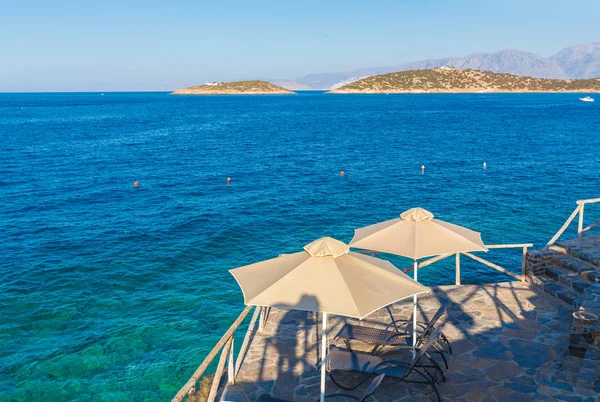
110	292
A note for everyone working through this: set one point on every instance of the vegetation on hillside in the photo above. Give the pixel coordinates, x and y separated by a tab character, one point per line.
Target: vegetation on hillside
238	87
453	80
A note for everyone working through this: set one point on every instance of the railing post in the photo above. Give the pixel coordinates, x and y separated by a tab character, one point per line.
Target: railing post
457	268
524	264
231	365
261	320
214	387
244	347
191	383
580	226
565	225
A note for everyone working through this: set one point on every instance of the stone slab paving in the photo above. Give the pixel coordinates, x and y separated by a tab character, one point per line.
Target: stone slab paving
510	344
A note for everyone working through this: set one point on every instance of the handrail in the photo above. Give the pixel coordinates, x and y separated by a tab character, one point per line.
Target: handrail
524	246
440	257
509	245
521	278
226	339
432	260
242	352
425	263
580	229
214	387
564	226
492	265
590	201
593	225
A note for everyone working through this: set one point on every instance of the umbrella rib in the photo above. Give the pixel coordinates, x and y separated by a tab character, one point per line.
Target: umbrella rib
271	285
378	232
347	286
383	272
284	276
437	222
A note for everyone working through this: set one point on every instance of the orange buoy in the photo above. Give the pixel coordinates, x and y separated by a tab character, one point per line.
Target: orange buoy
135	184
228	180
342	173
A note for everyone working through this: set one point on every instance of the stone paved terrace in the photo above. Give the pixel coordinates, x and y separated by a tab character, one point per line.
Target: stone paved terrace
510	343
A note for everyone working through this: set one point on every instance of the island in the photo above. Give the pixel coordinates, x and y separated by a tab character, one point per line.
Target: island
452	80
253	87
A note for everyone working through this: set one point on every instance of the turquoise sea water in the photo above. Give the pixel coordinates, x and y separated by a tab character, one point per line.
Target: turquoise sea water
110	292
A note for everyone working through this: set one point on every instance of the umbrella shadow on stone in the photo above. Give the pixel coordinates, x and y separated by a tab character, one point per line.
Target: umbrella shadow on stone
294	349
508	343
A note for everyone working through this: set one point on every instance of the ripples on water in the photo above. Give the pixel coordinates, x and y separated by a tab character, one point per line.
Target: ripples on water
109	292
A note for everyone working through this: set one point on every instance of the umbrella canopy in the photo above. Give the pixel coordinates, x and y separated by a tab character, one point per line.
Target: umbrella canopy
325	277
416	234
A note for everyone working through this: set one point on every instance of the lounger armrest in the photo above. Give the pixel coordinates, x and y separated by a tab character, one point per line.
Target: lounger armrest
406	323
389	340
389	363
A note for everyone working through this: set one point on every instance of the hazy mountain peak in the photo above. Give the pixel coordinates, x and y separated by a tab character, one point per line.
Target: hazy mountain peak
578	61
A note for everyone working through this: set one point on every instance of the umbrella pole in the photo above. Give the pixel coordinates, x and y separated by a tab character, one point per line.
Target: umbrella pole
415	311
323	355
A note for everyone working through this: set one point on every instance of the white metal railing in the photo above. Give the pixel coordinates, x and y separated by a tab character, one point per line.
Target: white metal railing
225	346
523	246
580	229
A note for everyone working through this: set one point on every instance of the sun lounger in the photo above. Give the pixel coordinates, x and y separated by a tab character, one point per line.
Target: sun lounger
388	337
345	396
410	372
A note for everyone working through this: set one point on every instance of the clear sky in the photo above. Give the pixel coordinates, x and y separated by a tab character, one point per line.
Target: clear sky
80	45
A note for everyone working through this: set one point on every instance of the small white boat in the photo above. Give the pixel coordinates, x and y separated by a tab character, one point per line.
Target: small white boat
587	99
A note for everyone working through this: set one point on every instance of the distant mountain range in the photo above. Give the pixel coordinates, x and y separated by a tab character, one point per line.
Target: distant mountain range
577	62
453	80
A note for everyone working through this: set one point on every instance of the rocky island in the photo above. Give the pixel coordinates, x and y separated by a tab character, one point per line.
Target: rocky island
451	80
254	87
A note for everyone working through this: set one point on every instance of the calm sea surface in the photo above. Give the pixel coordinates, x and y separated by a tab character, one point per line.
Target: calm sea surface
110	292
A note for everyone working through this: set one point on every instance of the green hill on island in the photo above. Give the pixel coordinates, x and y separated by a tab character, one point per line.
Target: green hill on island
451	80
253	87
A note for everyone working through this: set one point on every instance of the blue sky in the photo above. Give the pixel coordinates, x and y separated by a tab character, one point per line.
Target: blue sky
62	45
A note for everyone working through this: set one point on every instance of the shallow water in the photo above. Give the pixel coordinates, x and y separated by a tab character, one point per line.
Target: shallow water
110	292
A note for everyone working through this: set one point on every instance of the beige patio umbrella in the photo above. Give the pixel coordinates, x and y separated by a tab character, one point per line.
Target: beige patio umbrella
327	278
416	234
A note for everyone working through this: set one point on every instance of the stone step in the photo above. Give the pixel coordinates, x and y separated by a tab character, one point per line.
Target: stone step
557	289
585	248
588	272
567	278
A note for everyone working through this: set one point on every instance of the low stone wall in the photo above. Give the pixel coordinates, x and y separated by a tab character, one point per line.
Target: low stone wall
536	262
582	335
